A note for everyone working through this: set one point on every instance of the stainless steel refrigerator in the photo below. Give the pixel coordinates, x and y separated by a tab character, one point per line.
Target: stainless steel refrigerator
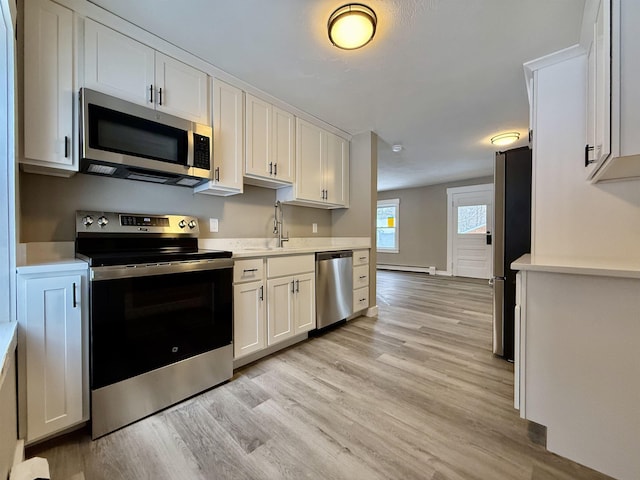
512	239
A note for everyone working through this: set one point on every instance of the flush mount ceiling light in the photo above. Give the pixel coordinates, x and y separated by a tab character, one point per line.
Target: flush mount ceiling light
352	26
396	148
505	139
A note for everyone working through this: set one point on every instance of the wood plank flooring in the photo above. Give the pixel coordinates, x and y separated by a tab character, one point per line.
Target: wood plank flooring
412	394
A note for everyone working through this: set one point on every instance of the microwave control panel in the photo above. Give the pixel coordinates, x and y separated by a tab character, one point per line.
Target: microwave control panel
201	151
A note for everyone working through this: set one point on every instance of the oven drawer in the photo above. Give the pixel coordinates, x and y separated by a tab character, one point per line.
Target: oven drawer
248	270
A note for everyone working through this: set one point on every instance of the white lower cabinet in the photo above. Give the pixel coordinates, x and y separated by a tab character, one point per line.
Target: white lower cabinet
272	306
360	280
291	306
53	368
249	307
249	334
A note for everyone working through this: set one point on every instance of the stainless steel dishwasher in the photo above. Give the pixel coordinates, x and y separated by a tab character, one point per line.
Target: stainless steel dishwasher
334	287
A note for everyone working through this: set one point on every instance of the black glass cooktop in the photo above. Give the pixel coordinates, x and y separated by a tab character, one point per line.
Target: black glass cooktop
112	250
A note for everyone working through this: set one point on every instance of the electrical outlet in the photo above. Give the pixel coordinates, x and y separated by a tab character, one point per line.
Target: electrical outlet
213	224
314	228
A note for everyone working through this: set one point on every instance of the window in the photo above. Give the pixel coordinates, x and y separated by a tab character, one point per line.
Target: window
387	226
472	219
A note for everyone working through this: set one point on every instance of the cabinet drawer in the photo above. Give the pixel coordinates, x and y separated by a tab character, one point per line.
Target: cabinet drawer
360	257
360	276
360	299
280	266
248	270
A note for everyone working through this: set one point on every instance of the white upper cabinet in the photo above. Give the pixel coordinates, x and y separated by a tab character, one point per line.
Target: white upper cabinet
310	159
284	141
337	171
270	141
598	146
118	65
614	122
322	169
228	138
125	68
48	141
182	90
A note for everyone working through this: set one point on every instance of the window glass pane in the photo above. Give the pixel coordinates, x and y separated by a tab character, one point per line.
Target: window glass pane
386	217
386	238
472	219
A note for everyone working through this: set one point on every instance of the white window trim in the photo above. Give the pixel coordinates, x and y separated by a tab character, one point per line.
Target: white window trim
392	202
7	165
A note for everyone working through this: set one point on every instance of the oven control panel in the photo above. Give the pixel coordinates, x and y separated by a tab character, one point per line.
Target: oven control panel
112	222
143	221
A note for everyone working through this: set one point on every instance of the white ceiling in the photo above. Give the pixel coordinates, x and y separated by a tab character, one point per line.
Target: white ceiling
440	77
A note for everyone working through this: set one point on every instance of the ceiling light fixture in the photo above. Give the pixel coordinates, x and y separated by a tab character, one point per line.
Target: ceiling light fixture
352	26
505	139
396	148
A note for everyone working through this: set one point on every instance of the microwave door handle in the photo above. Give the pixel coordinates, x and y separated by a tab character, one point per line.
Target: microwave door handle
190	148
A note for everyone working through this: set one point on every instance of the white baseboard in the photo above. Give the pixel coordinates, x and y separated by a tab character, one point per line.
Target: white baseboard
408	268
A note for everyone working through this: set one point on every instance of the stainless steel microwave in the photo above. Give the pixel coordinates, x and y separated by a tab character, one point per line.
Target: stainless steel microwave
125	140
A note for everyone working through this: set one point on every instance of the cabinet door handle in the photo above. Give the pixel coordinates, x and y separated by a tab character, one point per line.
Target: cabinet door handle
297	286
326	194
248	270
588	148
151	93
293	286
322	194
75	300
160	96
66	147
270	168
261	292
275	169
216	176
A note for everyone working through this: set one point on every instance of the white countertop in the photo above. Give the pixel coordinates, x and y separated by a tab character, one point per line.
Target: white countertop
58	256
577	266
263	247
51	266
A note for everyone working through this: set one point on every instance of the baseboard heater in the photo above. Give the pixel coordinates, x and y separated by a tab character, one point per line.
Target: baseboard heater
407	268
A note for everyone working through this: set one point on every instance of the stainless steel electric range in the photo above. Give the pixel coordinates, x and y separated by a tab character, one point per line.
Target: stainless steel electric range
160	314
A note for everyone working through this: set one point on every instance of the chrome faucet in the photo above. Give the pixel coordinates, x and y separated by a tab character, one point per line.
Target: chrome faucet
278	224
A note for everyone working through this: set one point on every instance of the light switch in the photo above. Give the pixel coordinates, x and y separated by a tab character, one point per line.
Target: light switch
213	224
314	227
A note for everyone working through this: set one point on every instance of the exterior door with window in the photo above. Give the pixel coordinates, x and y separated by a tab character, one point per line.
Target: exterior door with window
472	224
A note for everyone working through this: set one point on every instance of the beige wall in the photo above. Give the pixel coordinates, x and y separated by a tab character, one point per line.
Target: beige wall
359	220
423	224
48	206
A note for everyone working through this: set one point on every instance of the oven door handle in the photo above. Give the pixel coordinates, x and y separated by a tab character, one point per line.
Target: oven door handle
131	271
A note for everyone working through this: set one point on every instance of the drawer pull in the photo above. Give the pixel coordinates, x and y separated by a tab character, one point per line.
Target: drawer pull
362	299
362	277
363	258
249	270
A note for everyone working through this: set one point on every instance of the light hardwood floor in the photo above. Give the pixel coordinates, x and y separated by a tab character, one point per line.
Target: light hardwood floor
412	394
